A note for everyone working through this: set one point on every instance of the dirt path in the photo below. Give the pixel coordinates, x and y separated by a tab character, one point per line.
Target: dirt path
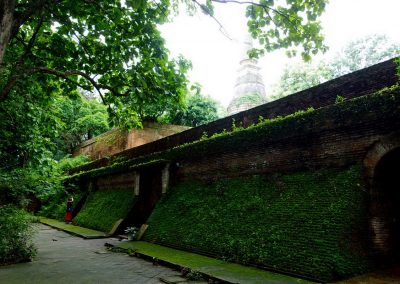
63	258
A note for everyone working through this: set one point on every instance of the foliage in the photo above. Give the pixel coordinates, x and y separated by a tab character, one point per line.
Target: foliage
107	46
301	76
15	235
362	53
198	109
252	99
291	25
298	223
18	185
81	120
29	128
287	24
104	207
357	54
69	162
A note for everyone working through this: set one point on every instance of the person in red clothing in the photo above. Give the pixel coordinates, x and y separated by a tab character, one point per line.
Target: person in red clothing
68	215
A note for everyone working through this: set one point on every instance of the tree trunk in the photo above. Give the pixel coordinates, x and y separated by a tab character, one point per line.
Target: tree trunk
6	23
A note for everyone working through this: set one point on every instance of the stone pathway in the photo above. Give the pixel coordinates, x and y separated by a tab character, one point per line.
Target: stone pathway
63	258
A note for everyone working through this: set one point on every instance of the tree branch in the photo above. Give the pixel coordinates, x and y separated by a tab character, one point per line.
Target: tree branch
265	7
221	27
21	18
65	75
31	42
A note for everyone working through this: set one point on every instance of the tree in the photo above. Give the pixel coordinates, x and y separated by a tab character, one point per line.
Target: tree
110	46
199	109
114	46
362	53
356	55
81	120
301	76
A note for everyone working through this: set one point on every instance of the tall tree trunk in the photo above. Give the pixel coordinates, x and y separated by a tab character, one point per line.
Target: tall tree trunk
6	23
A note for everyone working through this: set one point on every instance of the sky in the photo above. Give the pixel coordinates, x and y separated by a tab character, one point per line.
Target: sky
215	56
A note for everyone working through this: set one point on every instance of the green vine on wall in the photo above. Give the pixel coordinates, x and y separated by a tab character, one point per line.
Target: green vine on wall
385	102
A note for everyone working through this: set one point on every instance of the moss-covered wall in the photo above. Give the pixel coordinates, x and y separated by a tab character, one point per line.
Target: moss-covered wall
312	224
104	207
335	136
285	193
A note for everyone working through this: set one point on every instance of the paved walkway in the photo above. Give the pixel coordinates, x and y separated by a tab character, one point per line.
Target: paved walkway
63	258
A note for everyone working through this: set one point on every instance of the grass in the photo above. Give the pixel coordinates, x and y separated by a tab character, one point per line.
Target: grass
234	273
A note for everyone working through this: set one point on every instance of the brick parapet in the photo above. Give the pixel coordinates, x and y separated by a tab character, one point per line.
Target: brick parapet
349	86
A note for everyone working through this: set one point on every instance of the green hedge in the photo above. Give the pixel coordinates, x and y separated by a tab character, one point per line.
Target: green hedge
309	223
104	207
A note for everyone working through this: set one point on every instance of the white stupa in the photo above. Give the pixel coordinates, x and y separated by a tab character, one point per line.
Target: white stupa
249	90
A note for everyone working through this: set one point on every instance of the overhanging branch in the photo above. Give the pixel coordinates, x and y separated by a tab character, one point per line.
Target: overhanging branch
264	7
61	74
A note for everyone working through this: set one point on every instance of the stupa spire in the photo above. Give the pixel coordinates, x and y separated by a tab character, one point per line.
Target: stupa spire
249	89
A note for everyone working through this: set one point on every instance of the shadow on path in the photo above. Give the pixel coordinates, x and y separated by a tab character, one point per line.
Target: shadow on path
63	258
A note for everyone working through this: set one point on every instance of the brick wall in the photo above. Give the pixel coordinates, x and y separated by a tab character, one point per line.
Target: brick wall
353	85
116	140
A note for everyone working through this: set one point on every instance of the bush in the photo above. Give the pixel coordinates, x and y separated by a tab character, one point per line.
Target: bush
69	162
15	235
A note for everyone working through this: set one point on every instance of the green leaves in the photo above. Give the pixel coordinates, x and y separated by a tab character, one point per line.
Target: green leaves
293	27
197	109
116	45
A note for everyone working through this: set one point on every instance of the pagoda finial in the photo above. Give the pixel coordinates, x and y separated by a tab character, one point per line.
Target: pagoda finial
249	90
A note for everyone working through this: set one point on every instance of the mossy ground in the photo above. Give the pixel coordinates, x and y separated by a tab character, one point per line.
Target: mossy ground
75	230
234	273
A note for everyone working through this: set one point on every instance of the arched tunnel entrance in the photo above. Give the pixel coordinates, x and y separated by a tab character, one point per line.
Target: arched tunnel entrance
385	207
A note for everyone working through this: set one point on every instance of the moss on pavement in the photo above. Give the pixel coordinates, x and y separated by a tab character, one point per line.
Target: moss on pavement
74	230
215	268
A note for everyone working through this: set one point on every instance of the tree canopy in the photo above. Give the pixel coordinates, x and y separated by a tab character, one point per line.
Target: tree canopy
110	46
198	109
114	46
357	54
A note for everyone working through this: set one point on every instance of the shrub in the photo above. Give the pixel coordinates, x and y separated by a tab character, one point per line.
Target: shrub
69	162
15	235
